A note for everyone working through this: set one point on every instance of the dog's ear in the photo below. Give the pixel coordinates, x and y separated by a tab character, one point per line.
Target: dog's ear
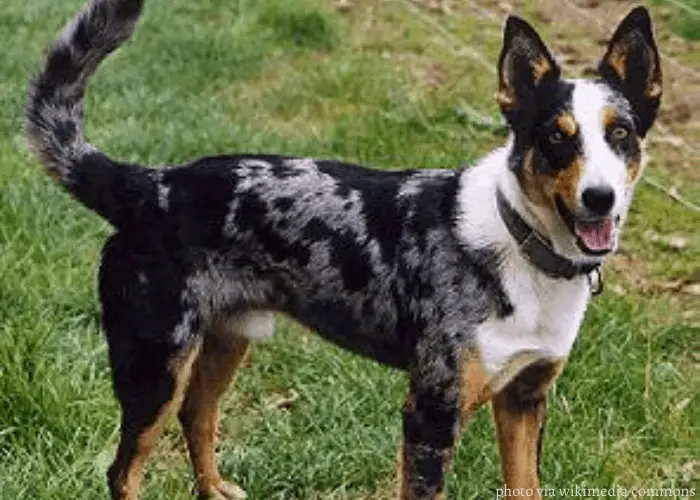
632	65
526	70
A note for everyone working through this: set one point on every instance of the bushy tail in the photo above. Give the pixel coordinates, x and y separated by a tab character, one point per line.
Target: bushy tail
118	192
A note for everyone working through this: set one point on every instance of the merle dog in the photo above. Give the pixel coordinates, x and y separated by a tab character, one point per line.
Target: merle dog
474	281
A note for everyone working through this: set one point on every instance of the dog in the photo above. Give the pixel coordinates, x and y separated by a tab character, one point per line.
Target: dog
474	281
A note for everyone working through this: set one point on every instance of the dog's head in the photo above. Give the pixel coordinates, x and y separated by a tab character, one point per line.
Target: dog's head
577	143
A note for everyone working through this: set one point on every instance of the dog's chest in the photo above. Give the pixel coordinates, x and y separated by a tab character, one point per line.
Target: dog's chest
545	322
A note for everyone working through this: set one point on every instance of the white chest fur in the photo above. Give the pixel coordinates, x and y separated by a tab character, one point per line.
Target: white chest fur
544	325
547	312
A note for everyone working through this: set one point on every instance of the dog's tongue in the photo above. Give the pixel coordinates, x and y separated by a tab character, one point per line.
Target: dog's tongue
597	236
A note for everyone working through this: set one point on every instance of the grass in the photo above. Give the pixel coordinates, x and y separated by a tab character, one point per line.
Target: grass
684	17
375	85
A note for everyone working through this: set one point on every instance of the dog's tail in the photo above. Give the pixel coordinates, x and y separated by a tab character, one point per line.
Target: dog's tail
121	193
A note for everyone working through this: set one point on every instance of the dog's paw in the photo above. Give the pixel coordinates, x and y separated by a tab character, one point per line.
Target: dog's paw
226	490
231	491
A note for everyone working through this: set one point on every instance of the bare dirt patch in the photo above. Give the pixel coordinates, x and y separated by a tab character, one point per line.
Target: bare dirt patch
577	32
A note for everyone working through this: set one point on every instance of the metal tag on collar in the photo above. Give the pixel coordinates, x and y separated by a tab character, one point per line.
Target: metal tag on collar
595	281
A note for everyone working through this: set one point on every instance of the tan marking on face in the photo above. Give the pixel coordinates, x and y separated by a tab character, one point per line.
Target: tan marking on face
634	164
610	117
540	67
566	182
539	188
531	181
542	189
474	389
567	124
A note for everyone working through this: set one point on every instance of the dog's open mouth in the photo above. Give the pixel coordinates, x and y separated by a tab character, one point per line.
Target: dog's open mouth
595	235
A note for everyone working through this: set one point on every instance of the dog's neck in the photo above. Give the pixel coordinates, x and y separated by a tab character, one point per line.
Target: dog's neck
480	221
536	247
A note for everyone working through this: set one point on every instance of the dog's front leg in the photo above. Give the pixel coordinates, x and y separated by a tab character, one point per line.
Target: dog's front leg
518	430
430	423
520	411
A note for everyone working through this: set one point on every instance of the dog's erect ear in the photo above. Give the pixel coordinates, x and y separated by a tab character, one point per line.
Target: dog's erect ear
525	70
632	65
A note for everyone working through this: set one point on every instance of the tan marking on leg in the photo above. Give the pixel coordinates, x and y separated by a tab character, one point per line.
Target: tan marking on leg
213	372
519	415
133	451
402	479
517	434
402	472
474	385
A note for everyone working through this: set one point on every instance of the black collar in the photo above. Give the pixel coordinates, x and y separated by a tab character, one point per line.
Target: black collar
538	249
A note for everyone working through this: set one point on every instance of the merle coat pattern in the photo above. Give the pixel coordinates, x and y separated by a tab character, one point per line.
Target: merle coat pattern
414	268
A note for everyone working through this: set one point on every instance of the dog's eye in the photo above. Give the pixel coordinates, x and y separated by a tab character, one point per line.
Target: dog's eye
620	133
556	137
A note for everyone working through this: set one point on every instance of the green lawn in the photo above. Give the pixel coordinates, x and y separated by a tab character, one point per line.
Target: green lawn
379	84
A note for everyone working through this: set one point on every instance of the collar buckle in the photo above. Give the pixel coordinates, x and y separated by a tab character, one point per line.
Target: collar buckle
595	281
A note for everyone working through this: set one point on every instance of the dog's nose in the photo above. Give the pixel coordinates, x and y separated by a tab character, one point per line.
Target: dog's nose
599	200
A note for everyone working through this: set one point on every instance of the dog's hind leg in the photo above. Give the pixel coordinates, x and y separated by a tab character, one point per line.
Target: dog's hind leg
149	386
152	330
222	354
